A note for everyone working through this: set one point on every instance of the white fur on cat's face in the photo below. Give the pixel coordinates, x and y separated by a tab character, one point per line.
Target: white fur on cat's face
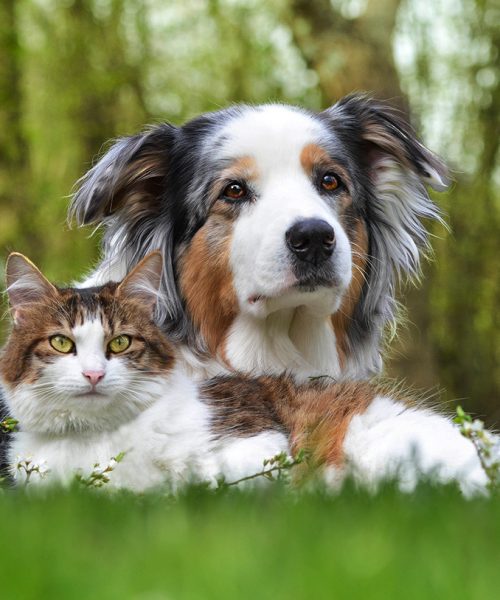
63	398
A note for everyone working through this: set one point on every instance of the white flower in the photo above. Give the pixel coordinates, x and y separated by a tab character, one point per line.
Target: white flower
25	461
42	467
477	425
25	467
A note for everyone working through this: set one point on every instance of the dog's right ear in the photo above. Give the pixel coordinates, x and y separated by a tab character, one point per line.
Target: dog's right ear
128	177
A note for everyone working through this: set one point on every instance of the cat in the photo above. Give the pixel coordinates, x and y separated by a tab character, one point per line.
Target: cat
90	376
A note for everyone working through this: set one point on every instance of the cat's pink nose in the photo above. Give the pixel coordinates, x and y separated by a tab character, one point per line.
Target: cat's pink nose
93	376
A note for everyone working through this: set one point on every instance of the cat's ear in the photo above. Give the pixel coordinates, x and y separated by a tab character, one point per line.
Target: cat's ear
143	282
25	285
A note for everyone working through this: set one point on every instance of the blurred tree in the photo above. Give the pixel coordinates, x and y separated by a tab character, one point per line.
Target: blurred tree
454	82
349	46
76	86
15	193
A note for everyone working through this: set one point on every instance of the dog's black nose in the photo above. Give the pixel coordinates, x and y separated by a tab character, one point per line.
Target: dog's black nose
311	240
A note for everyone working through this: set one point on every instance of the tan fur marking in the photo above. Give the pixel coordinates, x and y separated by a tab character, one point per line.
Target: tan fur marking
320	423
206	278
313	156
243	167
340	320
206	281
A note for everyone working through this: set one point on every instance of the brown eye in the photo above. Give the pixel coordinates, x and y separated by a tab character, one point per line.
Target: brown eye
234	191
329	182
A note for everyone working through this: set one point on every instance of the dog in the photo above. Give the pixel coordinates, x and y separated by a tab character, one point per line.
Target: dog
284	232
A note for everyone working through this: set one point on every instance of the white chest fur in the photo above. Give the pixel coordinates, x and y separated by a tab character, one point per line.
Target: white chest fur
290	340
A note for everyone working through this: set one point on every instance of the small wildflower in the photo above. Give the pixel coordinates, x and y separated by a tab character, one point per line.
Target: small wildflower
466	427
477	425
276	468
487	446
100	474
26	467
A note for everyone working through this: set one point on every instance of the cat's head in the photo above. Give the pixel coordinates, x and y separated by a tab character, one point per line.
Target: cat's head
82	359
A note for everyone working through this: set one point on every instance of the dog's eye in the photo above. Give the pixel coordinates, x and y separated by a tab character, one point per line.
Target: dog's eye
234	191
330	182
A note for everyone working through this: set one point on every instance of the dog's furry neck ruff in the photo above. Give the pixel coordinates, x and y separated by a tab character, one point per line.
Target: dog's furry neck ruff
152	191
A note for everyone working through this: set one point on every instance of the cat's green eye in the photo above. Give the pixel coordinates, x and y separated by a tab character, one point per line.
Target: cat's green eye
119	344
61	343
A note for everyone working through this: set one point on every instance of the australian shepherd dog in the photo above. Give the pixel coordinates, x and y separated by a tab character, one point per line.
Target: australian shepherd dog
284	231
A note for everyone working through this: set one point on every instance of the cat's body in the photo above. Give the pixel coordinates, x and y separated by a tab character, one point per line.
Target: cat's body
89	376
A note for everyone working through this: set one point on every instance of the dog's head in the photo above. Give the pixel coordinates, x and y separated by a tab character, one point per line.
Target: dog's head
260	209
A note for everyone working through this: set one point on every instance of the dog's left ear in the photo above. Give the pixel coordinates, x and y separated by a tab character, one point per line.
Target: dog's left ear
385	139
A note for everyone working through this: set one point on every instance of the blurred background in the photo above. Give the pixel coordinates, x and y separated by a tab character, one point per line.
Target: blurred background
75	73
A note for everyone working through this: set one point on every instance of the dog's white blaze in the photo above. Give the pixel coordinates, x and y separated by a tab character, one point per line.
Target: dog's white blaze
260	259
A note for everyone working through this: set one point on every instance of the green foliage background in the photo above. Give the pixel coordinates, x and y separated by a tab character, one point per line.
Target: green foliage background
75	73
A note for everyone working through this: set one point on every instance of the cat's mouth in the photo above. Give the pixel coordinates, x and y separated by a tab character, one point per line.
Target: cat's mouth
90	394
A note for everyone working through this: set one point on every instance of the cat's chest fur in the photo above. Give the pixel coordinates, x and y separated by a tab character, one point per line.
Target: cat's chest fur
170	443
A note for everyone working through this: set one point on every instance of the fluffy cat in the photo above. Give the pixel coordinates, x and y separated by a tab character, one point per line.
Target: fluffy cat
89	375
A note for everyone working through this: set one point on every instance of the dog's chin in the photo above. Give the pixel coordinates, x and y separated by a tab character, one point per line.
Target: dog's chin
321	295
308	285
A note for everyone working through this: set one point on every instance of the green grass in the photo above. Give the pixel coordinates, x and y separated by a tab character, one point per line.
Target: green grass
431	544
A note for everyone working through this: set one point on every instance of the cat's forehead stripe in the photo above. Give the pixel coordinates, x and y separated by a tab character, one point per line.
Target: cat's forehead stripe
87	304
